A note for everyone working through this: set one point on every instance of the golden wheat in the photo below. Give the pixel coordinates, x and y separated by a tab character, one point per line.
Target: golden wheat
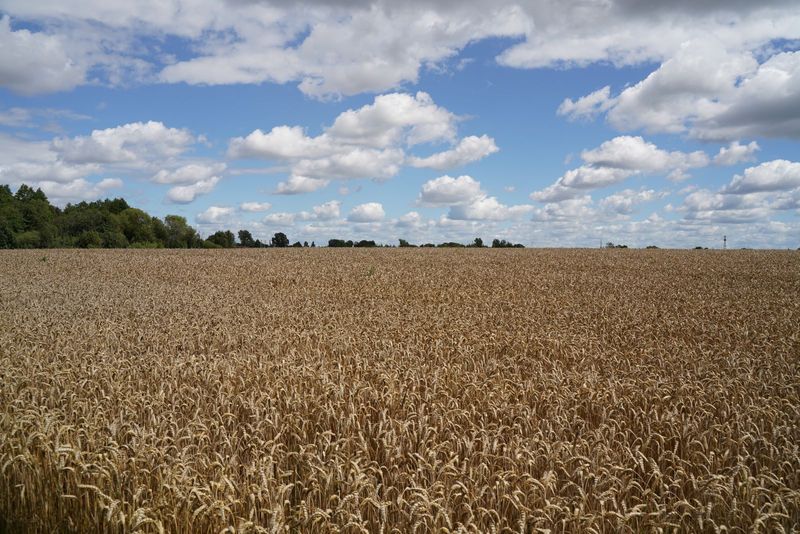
399	391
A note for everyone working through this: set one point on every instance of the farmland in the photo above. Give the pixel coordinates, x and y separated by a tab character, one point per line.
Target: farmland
399	390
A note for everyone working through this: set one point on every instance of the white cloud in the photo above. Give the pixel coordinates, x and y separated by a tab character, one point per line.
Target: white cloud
188	174
76	190
281	218
410	220
731	209
487	209
626	201
615	161
752	198
395	117
353	163
589	177
775	175
736	153
332	48
324	212
53	171
34	62
587	107
570	210
349	49
762	103
467	201
188	193
629	33
636	154
469	149
296	185
15	117
133	143
446	191
280	143
710	91
369	212
254	207
215	215
367	142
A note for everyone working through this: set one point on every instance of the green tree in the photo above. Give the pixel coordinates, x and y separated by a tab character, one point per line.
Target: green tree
246	239
11	221
280	240
114	239
89	239
223	239
37	215
179	234
137	226
30	239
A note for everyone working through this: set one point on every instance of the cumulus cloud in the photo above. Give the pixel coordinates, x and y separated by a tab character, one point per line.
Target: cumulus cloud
469	149
411	219
332	49
326	211
188	174
52	171
717	207
776	175
629	33
636	154
570	210
280	218
487	209
188	193
280	143
708	90
367	142
353	163
296	185
466	200
138	150
215	214
753	197
395	116
255	207
77	190
626	201
367	213
347	50
133	143
34	62
736	153
615	161
587	107
447	191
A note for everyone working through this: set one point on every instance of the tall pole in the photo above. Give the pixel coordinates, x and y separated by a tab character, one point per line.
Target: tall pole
724	242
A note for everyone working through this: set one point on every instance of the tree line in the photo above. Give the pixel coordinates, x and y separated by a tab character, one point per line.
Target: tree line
29	220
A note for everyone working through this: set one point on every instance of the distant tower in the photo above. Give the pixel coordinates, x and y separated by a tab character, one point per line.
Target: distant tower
724	242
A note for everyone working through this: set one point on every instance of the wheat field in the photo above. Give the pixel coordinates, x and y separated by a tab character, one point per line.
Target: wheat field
399	390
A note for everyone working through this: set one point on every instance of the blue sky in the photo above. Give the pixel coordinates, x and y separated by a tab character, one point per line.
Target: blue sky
564	124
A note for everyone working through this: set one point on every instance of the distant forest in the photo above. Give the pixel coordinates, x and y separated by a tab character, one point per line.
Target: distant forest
28	220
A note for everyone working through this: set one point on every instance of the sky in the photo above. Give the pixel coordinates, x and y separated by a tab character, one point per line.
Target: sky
549	123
